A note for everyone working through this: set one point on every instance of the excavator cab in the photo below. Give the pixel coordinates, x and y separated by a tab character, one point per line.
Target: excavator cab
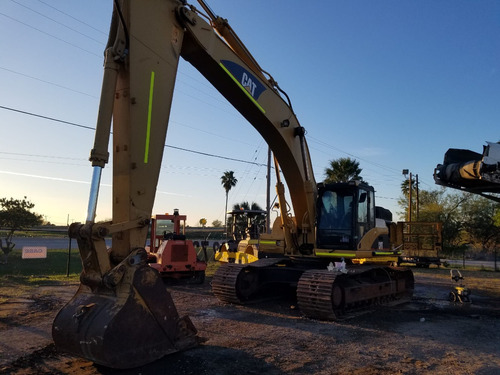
345	212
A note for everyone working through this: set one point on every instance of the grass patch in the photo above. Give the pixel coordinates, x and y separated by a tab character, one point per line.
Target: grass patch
460	266
23	285
58	233
19	285
52	270
211	268
55	265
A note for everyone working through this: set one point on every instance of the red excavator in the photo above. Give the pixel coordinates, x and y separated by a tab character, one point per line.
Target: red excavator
170	253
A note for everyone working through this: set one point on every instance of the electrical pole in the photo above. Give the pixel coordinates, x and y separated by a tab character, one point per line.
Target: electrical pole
416	187
409	199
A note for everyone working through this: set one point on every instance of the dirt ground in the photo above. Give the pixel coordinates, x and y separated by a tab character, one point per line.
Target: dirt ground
428	335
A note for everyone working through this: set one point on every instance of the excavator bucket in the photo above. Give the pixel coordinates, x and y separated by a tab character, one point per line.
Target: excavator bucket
126	321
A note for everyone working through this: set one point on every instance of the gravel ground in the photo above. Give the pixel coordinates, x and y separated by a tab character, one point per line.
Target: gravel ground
428	335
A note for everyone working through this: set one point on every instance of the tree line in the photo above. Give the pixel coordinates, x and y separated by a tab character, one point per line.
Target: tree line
470	222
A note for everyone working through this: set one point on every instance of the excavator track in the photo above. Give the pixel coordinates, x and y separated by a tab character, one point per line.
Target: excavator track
321	294
236	283
315	294
332	295
224	282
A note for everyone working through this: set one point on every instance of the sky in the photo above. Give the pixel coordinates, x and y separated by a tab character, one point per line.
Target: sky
391	83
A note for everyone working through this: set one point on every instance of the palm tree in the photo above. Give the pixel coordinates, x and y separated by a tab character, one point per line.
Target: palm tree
342	170
228	181
405	189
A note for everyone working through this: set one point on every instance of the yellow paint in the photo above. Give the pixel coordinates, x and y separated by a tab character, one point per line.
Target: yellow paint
267	242
234	257
150	109
335	255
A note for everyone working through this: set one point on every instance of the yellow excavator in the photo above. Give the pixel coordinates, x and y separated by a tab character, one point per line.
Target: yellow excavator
323	241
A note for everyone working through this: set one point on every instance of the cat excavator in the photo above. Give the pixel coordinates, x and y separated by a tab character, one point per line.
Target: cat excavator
121	315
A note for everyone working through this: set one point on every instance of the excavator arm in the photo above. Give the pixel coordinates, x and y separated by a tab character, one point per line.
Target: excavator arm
118	289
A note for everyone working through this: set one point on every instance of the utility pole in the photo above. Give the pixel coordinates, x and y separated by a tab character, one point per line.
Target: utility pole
416	189
409	199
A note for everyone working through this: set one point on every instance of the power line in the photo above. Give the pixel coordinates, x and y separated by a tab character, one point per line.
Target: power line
52	36
393	171
48	82
210	133
55	21
91	128
70	16
46	118
216	156
390	169
86	127
39	156
170	146
186	169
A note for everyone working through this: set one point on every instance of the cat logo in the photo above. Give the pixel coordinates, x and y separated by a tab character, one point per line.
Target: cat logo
248	84
244	78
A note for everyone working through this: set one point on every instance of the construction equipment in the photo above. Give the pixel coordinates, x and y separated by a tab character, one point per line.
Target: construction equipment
344	230
122	315
472	172
246	227
460	293
171	254
421	242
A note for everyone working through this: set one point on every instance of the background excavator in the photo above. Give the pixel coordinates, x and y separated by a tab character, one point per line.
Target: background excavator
122	316
171	254
244	232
